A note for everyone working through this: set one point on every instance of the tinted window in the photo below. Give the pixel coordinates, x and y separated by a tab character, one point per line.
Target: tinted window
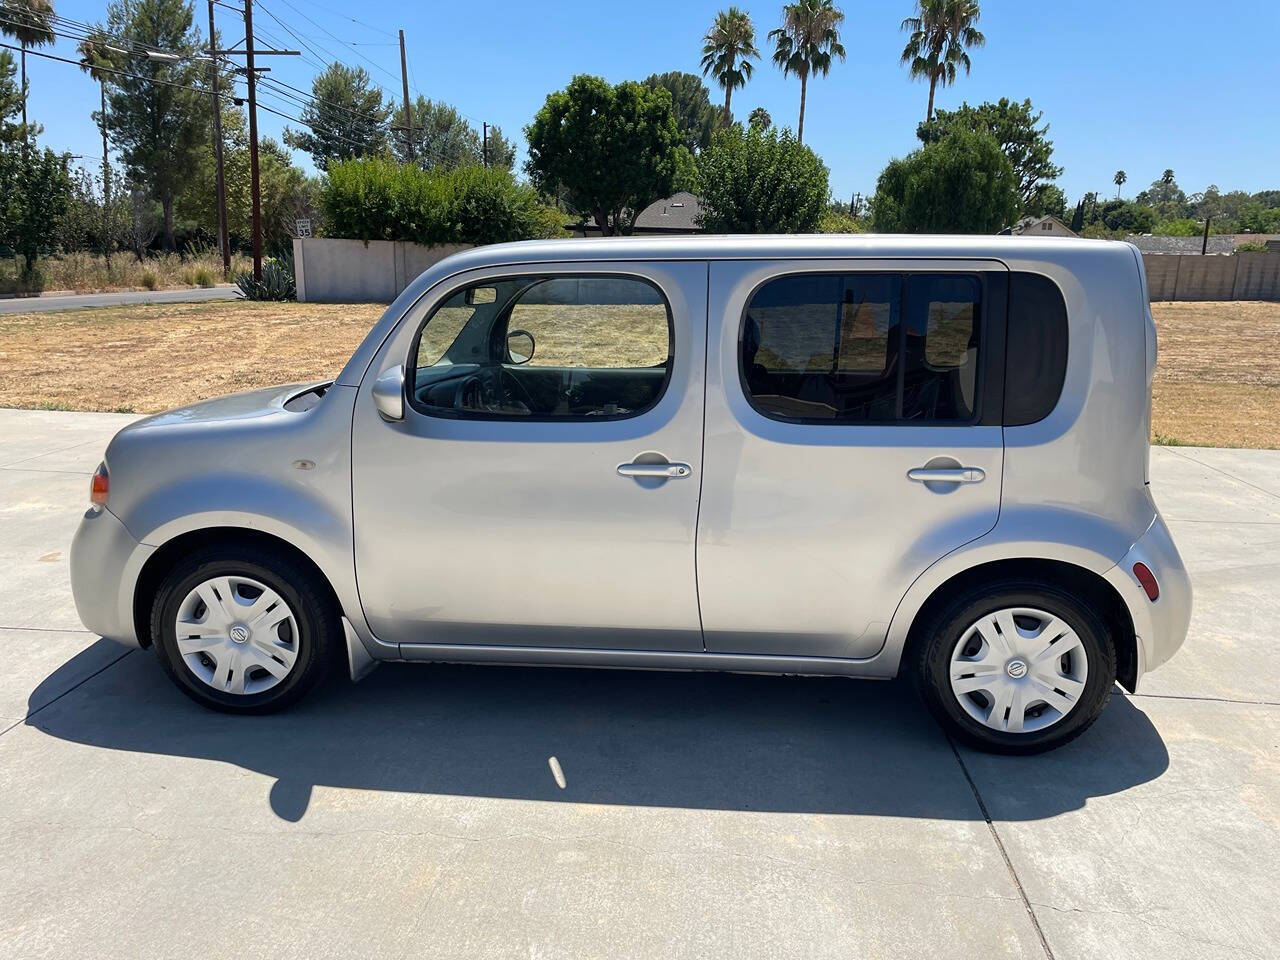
1035	349
547	348
863	348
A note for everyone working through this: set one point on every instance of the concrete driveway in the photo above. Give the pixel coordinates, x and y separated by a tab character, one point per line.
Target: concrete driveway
417	814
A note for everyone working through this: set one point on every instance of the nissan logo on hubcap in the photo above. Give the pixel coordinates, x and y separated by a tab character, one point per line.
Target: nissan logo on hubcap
1015	668
240	634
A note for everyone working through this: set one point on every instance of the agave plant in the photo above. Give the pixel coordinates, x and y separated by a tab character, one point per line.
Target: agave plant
276	284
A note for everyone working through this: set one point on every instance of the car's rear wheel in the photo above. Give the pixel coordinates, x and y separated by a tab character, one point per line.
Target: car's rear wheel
1016	667
244	629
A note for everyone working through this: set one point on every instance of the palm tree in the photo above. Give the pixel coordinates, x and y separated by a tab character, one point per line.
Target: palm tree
940	32
28	22
805	43
759	117
96	60
727	52
1119	180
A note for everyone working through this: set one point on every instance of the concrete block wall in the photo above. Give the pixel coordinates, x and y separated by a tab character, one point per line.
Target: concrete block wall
1242	276
352	271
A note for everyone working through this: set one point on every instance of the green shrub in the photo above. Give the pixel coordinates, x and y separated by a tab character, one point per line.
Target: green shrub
1251	246
276	284
377	199
149	280
833	221
754	181
202	277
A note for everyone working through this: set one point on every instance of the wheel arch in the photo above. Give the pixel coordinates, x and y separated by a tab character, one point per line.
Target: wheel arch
1092	587
162	559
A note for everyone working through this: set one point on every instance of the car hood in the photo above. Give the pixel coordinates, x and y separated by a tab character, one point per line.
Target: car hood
269	401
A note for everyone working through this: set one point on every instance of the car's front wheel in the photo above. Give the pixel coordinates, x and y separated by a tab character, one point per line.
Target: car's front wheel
244	629
1016	667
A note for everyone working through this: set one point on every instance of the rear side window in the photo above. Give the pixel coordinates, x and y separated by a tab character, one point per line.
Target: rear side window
1035	349
864	348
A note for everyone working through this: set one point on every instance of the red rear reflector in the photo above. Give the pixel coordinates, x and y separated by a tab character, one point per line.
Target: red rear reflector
1148	580
100	486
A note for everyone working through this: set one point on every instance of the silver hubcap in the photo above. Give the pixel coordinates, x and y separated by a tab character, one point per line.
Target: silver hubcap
1019	670
237	635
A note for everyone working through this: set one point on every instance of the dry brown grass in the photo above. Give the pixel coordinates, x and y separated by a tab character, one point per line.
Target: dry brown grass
1218	374
1217	383
158	356
87	272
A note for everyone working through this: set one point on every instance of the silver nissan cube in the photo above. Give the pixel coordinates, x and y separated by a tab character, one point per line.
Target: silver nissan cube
860	456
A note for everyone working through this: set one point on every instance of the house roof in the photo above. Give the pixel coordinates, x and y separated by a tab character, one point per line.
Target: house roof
675	213
1027	224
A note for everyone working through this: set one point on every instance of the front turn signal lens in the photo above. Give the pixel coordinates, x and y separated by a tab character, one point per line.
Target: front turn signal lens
100	486
1148	580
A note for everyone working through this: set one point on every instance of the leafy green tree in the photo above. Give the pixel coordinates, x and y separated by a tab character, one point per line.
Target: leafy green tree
805	43
1121	217
35	189
1165	197
98	60
30	23
11	128
1119	180
442	137
346	118
501	151
727	51
157	118
759	117
1016	127
961	183
757	182
941	32
610	151
1049	200
286	191
696	118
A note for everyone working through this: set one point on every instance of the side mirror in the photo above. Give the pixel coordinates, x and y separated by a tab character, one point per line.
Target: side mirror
520	346
388	394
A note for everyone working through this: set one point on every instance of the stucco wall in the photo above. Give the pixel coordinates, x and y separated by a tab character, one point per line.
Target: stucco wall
1242	276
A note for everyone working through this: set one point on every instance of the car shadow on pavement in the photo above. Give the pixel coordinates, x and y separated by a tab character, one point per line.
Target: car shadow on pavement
688	740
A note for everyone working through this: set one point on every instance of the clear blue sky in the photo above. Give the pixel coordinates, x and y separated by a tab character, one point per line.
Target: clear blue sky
1123	83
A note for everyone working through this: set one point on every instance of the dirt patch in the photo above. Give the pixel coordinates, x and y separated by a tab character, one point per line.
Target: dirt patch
1217	374
1217	380
154	357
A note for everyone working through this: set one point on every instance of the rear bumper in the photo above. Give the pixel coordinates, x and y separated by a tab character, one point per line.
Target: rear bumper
1161	625
105	564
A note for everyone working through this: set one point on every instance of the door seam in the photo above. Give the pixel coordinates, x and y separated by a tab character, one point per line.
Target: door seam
702	456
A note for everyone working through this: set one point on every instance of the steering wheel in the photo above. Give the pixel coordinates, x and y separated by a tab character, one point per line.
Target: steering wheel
472	393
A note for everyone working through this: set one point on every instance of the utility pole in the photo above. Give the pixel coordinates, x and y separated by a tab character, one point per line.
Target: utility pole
252	77
1204	244
484	146
224	237
251	74
408	117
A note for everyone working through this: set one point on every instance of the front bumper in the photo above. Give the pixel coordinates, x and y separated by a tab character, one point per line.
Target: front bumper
1161	625
105	564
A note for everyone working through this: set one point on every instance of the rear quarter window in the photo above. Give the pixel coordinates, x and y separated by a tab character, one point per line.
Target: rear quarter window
1035	349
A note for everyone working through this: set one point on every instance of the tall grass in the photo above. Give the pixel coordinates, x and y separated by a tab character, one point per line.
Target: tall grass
88	273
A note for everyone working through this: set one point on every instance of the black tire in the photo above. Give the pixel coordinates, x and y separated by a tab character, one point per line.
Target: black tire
317	617
939	636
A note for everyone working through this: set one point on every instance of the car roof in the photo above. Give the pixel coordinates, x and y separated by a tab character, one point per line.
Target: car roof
783	246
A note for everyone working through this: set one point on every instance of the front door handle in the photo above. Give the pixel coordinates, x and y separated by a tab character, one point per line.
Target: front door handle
947	475
661	471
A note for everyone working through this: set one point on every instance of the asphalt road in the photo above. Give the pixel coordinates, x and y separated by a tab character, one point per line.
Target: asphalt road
77	301
420	813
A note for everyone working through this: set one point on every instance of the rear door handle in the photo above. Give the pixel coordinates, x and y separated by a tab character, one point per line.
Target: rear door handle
663	471
946	475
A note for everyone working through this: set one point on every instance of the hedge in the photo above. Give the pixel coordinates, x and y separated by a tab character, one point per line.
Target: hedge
378	199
